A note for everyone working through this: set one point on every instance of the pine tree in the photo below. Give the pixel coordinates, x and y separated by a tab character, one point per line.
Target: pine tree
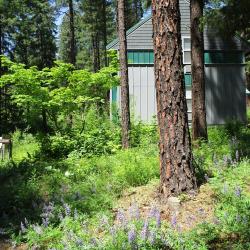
125	114
176	167
199	123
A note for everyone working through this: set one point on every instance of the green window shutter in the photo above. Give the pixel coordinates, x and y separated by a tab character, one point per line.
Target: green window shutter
224	57
114	94
188	79
130	57
151	57
136	57
146	57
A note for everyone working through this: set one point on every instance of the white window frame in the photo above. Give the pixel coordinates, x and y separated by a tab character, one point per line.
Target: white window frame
185	50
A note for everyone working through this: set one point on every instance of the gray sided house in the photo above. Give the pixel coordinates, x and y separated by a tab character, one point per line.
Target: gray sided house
224	70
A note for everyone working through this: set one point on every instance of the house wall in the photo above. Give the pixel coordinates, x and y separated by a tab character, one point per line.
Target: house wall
225	91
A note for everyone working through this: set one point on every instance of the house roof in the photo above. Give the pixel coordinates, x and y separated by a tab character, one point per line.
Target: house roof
245	45
131	30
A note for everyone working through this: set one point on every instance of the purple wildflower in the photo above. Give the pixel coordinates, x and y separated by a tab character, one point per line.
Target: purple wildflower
79	242
174	221
121	217
45	222
145	231
23	228
67	209
132	236
134	211
37	229
152	237
60	216
94	242
75	214
155	213
238	218
104	221
238	191
112	231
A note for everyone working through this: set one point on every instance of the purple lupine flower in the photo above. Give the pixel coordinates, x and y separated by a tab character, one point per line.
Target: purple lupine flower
134	211
23	228
94	242
79	242
238	191
238	218
132	236
75	214
67	209
121	217
60	216
37	229
45	222
152	237
145	230
155	213
112	232
104	221
174	221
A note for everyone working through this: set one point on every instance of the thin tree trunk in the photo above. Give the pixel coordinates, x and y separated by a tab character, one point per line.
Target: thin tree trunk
176	169
104	31
199	123
125	113
72	55
96	52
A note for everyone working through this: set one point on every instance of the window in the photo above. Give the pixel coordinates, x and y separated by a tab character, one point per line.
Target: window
140	57
234	57
186	48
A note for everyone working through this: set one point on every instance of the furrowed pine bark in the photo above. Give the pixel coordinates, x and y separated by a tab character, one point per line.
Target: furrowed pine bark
125	113
199	122
176	169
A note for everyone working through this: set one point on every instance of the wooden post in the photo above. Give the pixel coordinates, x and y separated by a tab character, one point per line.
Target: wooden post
4	142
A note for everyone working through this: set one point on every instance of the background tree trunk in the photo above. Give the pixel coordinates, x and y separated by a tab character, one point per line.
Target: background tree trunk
199	122
72	55
125	113
177	174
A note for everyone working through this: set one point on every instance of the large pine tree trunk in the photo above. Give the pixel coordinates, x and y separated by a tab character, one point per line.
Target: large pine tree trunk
125	114
199	123
72	54
177	173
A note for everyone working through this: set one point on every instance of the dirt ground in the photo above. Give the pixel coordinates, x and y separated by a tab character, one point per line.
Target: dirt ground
193	209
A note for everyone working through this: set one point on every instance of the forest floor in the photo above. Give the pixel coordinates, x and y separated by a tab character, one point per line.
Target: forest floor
193	209
30	185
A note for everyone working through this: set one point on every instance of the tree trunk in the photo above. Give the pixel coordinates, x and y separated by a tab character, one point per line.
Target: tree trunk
104	31
96	52
125	113
72	55
199	123
176	169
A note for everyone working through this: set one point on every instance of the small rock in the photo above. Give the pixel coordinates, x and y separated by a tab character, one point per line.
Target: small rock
174	204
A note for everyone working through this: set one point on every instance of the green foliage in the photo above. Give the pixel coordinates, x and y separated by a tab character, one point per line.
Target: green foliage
56	94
